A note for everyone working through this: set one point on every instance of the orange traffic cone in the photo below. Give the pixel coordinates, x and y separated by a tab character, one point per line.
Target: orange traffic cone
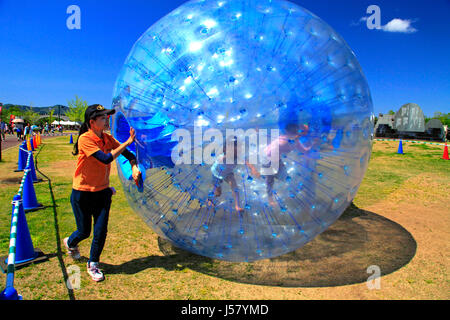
445	156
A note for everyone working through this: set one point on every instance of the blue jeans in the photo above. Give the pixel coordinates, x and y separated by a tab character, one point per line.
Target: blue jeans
86	205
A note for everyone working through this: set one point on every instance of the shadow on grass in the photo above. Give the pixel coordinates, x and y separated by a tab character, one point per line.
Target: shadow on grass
339	256
59	253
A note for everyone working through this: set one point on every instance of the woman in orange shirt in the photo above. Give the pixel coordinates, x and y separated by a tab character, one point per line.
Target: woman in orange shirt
91	194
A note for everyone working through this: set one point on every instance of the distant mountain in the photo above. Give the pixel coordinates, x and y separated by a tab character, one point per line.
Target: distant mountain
42	110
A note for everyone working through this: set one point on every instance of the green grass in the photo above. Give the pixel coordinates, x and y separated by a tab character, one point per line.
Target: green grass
132	252
388	170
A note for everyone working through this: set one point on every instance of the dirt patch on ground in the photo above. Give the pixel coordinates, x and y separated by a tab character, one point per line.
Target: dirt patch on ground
405	237
421	207
59	168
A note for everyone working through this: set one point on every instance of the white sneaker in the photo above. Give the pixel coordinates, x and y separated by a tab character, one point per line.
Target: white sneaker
95	273
72	252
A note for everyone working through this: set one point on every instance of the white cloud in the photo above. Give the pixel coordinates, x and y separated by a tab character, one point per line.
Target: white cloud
399	25
354	24
395	25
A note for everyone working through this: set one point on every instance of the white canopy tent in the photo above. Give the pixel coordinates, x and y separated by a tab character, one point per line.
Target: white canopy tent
66	123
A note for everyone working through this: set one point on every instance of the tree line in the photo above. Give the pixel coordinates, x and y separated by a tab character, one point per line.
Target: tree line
75	112
77	107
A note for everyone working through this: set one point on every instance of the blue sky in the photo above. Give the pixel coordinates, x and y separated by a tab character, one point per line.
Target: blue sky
44	63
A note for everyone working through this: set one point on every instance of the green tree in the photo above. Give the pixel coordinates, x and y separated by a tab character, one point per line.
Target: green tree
5	113
76	110
443	117
447	119
391	112
10	109
50	116
30	116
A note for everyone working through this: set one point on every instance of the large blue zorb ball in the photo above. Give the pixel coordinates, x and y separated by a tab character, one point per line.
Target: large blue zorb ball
249	65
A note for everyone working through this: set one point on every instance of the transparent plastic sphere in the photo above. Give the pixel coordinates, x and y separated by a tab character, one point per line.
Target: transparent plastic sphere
250	68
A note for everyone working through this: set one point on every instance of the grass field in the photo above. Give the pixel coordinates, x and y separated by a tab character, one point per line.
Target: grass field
399	221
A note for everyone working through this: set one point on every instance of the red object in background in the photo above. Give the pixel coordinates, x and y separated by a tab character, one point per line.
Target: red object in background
445	156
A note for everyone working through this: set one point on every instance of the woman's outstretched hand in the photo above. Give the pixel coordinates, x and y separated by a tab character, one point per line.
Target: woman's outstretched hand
132	136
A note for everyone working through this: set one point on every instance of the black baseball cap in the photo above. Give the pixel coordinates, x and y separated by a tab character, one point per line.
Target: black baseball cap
96	110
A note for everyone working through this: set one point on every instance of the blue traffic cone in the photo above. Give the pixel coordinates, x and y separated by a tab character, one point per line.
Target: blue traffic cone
10	294
21	250
71	139
22	157
29	195
33	170
24	246
400	147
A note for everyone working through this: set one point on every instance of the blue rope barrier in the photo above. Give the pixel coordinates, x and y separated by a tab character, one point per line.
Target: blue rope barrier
9	293
412	141
12	246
